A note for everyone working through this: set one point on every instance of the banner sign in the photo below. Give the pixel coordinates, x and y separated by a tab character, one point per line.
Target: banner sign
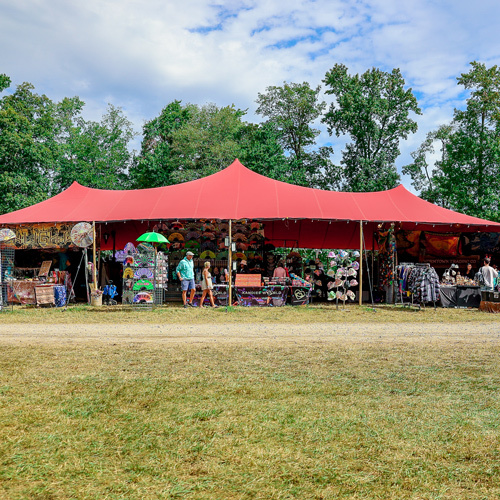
300	295
40	236
220	293
261	296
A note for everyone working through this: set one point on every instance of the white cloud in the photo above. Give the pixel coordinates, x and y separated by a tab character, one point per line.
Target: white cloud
143	54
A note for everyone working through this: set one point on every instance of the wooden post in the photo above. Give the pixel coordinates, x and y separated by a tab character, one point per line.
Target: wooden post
94	276
360	262
230	265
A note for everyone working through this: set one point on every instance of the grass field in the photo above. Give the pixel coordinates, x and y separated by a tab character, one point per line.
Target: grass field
317	313
349	420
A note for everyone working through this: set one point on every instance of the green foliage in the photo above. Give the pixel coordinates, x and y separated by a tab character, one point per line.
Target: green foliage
424	175
28	149
187	142
207	143
46	145
94	154
4	82
373	109
290	111
465	176
292	108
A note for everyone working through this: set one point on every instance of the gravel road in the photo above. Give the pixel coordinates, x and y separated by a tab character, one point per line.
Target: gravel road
435	333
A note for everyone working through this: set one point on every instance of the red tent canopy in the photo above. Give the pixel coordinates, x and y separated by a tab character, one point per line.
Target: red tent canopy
301	214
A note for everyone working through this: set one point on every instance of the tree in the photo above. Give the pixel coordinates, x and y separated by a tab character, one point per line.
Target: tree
292	108
374	110
262	152
28	149
46	145
5	82
465	177
207	142
291	111
424	176
187	142
156	163
95	154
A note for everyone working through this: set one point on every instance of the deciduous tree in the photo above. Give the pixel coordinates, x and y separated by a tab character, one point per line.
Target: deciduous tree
465	176
374	110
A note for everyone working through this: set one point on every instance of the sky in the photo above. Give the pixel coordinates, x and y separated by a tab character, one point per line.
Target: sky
142	54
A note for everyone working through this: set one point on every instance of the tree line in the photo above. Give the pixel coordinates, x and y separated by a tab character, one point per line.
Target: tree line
46	145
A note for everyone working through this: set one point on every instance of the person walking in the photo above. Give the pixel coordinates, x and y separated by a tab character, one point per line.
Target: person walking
489	275
185	273
207	285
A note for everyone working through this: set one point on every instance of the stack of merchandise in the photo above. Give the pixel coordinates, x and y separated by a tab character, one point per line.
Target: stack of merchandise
275	281
299	282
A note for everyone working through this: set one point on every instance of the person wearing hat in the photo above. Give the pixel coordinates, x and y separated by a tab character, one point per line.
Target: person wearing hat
243	267
185	273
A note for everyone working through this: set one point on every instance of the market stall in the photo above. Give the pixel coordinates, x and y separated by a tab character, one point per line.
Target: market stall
38	286
288	215
459	291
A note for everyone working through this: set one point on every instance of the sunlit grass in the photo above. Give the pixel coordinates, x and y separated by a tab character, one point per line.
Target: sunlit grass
317	313
336	420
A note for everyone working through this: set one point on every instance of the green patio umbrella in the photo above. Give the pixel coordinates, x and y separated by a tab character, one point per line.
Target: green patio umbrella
153	238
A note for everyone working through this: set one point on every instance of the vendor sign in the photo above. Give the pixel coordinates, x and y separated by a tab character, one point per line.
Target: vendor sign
266	296
40	236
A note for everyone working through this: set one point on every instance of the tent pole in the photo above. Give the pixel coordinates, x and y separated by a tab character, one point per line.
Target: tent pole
94	273
230	265
360	262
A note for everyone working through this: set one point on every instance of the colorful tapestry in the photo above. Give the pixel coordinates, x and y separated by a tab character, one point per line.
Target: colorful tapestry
441	245
39	236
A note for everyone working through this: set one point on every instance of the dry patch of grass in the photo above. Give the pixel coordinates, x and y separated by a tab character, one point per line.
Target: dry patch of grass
317	313
329	421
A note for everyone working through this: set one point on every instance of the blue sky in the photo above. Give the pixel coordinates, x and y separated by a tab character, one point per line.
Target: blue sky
142	54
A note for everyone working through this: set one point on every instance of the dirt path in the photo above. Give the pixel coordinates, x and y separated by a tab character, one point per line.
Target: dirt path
64	334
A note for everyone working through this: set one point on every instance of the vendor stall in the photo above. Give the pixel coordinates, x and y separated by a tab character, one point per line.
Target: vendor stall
459	291
288	216
41	289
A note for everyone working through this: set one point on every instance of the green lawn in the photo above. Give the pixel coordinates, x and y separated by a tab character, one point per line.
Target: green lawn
317	313
201	421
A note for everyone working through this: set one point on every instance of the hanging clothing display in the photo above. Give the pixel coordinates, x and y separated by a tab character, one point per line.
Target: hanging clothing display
420	281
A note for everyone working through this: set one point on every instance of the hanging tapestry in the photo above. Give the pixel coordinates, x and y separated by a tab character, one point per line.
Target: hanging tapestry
39	236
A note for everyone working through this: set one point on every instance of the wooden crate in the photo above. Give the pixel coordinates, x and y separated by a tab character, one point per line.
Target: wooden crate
44	295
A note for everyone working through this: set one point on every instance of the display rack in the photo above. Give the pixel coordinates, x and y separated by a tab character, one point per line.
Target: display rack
6	271
145	277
